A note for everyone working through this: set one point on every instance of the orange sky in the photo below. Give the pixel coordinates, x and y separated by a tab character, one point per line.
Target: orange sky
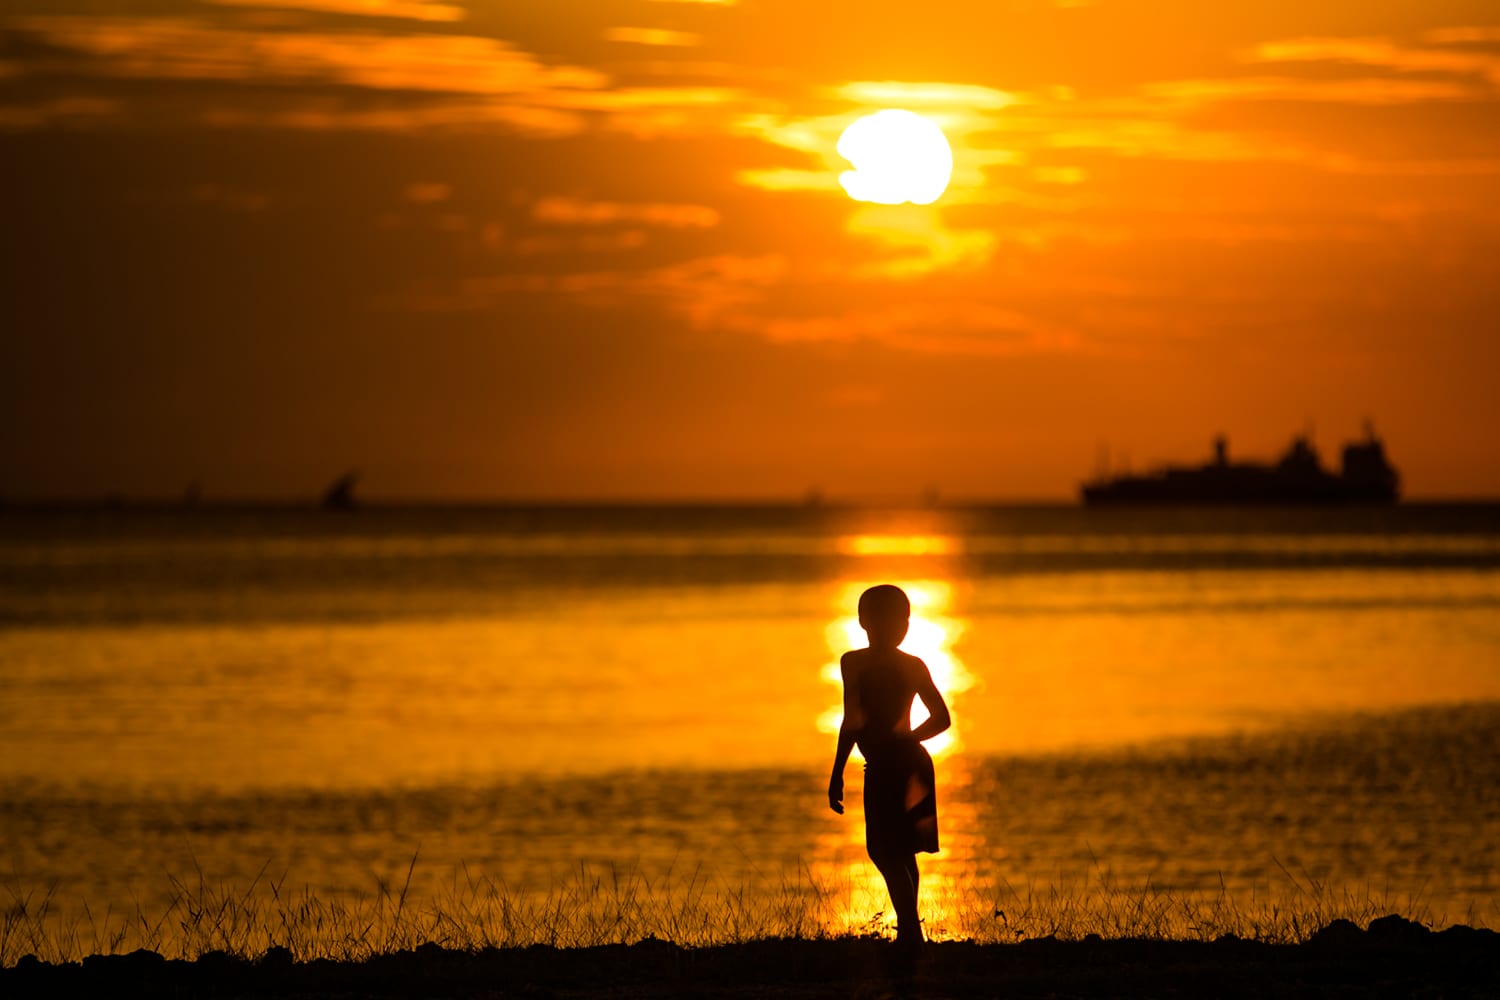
598	249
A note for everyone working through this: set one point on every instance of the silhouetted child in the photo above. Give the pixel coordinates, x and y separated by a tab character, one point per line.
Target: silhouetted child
900	793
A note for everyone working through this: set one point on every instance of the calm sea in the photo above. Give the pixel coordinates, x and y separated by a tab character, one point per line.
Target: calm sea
1263	703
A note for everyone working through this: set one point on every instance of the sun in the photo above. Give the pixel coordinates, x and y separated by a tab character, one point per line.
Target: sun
898	156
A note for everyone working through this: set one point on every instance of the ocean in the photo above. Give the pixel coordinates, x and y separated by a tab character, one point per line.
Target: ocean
1279	708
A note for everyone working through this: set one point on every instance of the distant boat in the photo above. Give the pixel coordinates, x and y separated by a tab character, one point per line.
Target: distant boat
340	495
1298	478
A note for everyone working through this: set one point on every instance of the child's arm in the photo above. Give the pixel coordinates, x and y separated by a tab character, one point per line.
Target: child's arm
938	718
848	731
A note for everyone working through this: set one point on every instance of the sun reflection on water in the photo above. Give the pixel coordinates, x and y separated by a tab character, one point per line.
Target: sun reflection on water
898	545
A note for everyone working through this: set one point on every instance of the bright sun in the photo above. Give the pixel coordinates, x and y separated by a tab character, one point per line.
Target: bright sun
898	156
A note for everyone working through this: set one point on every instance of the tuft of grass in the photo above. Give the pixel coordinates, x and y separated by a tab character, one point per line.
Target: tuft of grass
1098	904
598	905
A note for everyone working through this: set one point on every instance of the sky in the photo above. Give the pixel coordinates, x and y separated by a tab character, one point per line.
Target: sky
598	249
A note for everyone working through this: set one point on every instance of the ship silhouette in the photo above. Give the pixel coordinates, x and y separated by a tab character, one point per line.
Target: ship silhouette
1297	478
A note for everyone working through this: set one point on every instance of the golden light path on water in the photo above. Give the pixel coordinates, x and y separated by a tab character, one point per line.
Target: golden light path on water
858	899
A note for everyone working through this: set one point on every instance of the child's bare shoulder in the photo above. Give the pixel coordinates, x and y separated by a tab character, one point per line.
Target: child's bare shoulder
857	660
853	661
913	664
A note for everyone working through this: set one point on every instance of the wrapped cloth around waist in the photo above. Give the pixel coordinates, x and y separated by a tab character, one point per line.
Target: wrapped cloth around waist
900	798
894	751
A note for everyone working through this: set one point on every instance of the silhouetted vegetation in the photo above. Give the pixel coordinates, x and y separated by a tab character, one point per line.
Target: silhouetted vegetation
597	907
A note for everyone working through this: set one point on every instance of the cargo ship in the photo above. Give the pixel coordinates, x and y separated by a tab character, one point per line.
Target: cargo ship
1297	478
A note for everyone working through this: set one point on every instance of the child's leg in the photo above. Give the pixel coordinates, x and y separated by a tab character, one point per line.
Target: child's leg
897	872
915	877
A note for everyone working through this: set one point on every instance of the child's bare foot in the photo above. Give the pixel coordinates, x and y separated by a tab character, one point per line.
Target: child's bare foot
904	953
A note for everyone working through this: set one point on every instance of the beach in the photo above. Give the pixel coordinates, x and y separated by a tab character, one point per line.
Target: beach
1392	958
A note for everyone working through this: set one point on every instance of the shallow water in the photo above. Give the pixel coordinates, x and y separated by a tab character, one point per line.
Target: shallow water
1274	702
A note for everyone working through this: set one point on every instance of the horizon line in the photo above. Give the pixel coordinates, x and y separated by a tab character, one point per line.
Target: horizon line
176	502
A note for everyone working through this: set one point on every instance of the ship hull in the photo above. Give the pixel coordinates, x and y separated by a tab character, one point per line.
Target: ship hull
1299	479
1146	492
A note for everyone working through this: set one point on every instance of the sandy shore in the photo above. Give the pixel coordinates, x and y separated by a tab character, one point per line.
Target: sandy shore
1393	957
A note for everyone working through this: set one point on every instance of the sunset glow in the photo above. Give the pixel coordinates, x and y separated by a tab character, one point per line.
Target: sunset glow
1038	233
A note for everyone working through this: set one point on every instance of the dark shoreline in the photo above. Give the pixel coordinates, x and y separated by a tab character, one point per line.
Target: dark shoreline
1394	957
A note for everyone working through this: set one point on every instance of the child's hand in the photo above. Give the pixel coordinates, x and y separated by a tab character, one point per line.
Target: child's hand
836	795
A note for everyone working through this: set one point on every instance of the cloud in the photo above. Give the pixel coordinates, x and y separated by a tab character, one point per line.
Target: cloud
428	192
1060	175
652	36
718	291
591	243
413	10
180	48
894	93
649	112
1465	35
1138	129
789	179
1379	52
715	291
941	326
921	239
432	80
322	115
632	98
230	198
58	111
574	211
1379	90
1471	167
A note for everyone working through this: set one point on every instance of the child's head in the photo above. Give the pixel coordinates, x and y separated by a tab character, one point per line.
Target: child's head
884	614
